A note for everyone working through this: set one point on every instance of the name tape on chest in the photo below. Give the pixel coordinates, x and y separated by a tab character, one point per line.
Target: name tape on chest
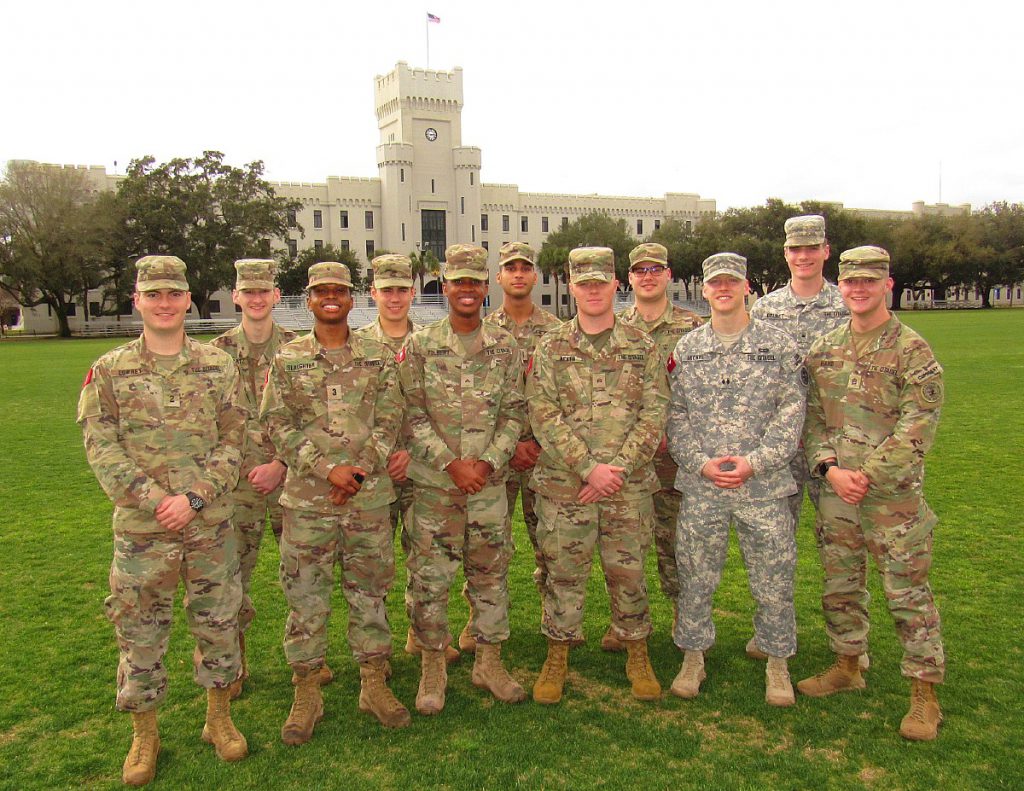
305	365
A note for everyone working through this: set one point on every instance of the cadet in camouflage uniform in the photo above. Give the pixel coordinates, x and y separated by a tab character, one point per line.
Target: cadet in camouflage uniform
807	307
517	275
333	410
735	421
164	423
649	275
873	407
598	394
462	381
252	345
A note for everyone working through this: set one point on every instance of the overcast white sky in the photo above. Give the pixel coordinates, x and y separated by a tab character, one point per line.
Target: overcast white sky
861	102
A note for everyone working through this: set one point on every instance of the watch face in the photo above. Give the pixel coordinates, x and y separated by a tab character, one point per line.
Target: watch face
431	134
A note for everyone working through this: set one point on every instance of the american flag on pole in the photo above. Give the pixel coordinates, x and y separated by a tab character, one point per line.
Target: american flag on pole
432	18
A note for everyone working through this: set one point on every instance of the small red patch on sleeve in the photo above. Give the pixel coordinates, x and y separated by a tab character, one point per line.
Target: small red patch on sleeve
267	380
529	366
671	364
88	378
400	356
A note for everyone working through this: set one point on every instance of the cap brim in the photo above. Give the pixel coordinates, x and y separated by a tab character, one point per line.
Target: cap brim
729	272
648	261
870	274
591	277
391	282
159	285
803	241
522	258
459	274
242	285
328	281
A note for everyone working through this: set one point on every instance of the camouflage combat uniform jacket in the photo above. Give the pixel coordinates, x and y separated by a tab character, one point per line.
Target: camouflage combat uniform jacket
253	373
876	414
151	432
526	334
461	407
804	320
589	408
666	330
746	401
320	415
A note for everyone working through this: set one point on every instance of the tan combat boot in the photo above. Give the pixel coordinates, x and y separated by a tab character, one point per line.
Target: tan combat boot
307	710
219	730
611	643
551	680
778	689
375	698
326	676
140	765
467	640
863	661
433	682
844	674
924	718
639	671
451	653
691	674
490	674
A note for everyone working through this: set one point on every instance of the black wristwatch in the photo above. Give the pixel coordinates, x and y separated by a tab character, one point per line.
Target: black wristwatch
823	468
195	502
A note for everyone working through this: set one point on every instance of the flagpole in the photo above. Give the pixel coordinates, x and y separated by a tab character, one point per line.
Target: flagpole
427	23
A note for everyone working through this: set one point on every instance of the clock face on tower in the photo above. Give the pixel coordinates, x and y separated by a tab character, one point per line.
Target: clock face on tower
431	134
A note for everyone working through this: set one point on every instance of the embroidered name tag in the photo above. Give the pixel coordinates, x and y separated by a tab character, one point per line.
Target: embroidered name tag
494	351
697	357
630	358
885	369
304	366
205	369
569	358
368	363
439	352
128	371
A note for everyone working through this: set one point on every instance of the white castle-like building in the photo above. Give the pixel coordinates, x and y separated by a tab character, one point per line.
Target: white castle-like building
429	194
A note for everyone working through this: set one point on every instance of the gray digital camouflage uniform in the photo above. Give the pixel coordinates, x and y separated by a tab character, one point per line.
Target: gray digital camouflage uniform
251	507
744	401
460	406
151	431
324	408
589	407
526	334
877	414
805	320
666	330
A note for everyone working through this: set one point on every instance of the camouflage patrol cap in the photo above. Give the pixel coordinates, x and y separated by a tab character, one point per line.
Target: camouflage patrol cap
648	251
154	272
731	264
516	251
465	260
327	272
392	271
256	273
590	264
806	230
868	261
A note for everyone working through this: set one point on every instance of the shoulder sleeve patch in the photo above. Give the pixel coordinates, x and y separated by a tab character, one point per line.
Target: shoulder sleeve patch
929	394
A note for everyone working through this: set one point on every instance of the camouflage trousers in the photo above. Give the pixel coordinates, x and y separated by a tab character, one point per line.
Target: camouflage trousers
898	534
568	532
666	512
311	544
519	482
802	476
769	552
401	511
446	530
143	581
250	521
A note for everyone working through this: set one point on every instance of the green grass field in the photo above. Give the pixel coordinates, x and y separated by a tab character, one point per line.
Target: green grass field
59	728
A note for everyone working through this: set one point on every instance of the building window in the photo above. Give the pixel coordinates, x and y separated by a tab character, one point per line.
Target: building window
403	231
544	224
689	225
524	224
504	223
545	299
293	248
318	245
483	222
344	244
401	174
344	219
484	245
431	186
462	205
318	218
472	233
657	224
565	299
565	222
291	218
368	221
471	178
639	227
214	305
369	249
547	279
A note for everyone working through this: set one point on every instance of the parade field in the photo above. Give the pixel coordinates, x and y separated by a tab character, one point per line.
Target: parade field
59	728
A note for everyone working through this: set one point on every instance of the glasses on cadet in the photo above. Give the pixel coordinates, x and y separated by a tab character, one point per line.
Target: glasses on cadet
654	269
